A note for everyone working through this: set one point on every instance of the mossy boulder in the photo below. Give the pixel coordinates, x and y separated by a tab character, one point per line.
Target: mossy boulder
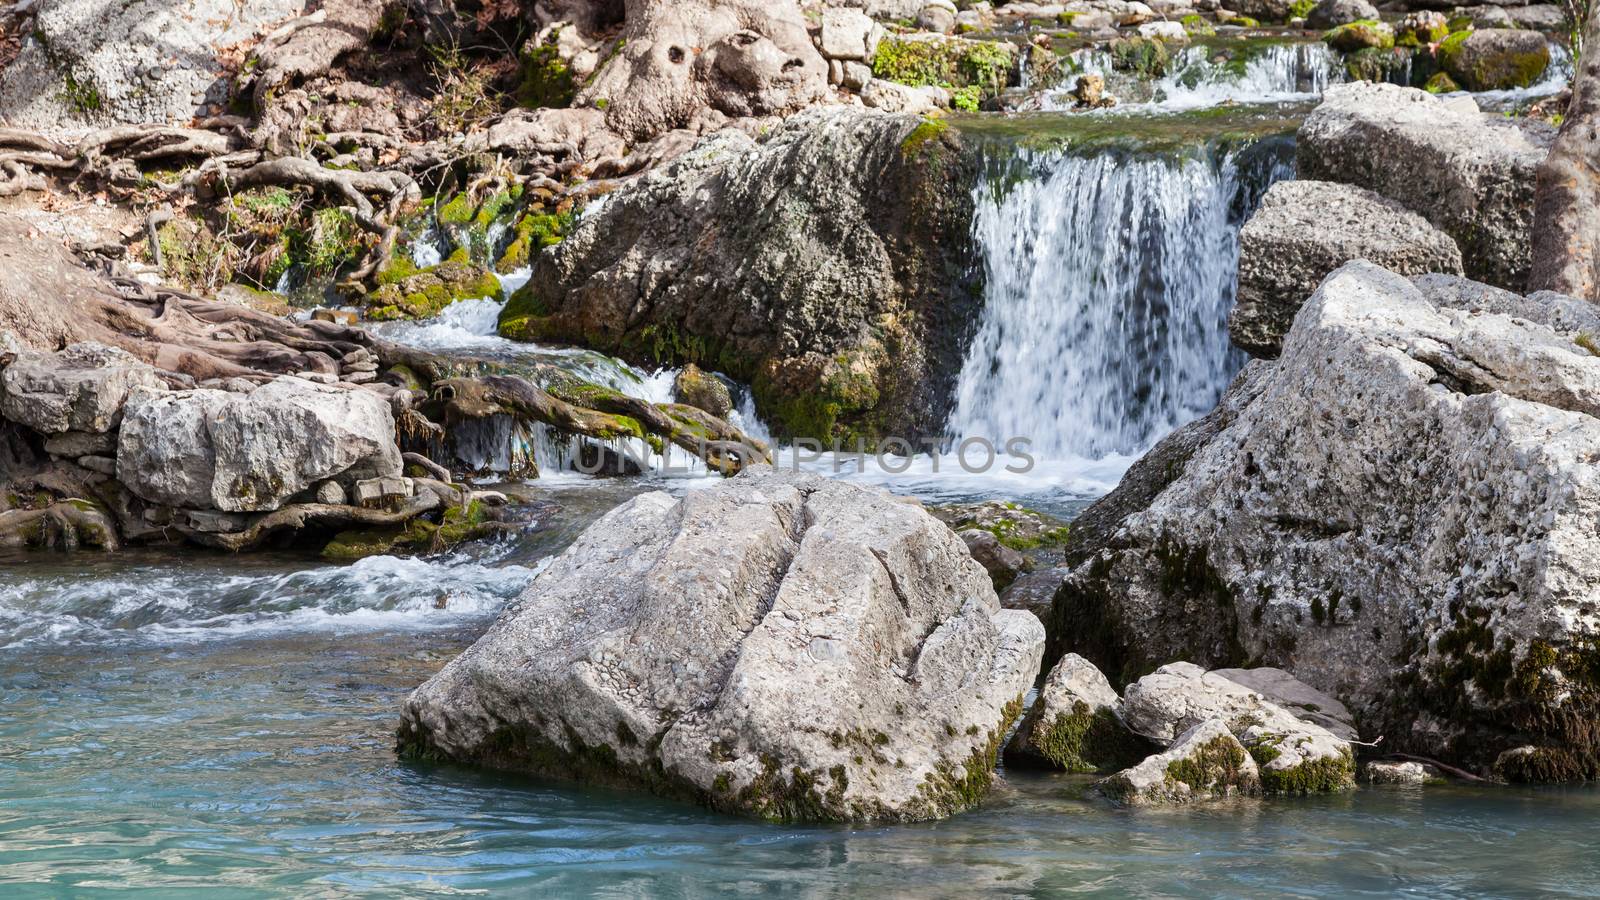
523	317
1074	724
696	388
1359	35
406	292
1422	28
1295	756
1441	83
1141	56
1204	763
1494	59
828	265
922	60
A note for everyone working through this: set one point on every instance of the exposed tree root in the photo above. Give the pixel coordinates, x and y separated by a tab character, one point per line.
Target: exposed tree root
67	525
723	447
300	516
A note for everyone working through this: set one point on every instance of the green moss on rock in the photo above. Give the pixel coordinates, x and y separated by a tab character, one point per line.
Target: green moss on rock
1142	56
546	80
533	233
1215	767
524	316
426	292
1318	776
955	786
1441	83
943	62
1087	740
1360	34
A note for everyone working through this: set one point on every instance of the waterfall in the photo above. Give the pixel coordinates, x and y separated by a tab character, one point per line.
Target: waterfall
1109	280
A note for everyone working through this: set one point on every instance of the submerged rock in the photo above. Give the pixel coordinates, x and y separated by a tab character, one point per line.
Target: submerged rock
1305	229
1204	763
1074	724
1469	173
780	645
1295	756
207	449
1359	35
1399	511
80	389
828	264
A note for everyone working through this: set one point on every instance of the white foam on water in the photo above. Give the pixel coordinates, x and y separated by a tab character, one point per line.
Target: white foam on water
175	604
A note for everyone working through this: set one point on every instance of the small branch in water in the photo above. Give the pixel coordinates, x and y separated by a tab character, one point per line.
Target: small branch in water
1452	771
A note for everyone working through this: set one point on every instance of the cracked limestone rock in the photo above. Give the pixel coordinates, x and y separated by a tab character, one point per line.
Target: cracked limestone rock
1400	511
206	449
780	645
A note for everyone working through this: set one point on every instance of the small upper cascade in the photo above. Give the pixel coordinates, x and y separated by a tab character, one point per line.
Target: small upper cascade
1200	76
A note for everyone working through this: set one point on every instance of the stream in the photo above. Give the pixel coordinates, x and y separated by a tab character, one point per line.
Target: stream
222	725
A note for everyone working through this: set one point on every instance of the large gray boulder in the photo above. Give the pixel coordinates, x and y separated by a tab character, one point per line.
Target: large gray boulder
1400	512
1469	173
780	645
1075	724
208	449
80	389
1305	229
829	264
92	63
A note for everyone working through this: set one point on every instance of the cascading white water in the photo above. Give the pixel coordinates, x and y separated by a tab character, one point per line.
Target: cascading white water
1277	73
1198	77
1109	279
